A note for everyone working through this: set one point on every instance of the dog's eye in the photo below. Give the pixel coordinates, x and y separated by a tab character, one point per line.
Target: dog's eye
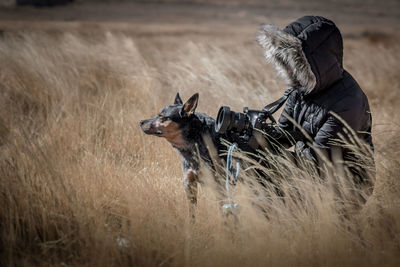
164	119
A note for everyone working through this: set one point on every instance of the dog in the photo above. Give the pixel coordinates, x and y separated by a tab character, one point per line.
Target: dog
192	134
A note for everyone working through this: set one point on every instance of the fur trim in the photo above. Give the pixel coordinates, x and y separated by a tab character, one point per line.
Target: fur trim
285	52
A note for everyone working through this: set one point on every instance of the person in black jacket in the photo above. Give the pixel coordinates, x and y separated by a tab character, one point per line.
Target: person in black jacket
308	54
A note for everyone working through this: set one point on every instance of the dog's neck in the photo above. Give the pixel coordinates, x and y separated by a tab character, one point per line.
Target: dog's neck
177	142
192	150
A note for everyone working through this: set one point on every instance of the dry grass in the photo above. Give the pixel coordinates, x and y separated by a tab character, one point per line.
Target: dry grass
81	185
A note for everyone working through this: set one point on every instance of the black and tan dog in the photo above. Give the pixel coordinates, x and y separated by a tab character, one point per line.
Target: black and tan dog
192	134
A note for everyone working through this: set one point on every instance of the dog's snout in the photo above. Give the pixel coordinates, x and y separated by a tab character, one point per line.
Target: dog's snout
145	125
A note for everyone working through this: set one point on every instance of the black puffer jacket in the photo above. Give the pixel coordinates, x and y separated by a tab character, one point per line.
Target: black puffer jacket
308	53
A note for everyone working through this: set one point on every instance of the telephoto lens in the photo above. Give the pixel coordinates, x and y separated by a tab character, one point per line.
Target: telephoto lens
229	120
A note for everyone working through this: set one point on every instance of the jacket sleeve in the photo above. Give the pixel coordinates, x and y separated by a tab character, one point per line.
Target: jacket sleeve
329	131
284	133
288	111
348	110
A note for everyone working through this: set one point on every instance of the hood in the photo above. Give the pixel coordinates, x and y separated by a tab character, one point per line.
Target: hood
307	53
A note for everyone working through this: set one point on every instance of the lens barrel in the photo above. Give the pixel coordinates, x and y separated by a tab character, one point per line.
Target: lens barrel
229	120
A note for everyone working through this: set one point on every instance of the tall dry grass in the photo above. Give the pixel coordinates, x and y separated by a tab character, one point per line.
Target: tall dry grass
81	185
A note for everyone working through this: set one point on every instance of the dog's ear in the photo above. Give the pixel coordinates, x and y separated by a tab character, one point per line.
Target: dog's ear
190	106
178	99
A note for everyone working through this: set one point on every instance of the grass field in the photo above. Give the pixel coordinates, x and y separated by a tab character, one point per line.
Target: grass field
81	185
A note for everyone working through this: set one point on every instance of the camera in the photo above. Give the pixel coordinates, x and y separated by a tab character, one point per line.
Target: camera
228	120
244	128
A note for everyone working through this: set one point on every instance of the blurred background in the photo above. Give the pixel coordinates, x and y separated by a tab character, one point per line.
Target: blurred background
356	16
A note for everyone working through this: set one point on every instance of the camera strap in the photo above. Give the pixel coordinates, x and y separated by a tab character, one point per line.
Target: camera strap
274	106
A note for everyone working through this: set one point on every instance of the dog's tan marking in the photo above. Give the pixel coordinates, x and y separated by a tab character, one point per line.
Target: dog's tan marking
171	132
191	180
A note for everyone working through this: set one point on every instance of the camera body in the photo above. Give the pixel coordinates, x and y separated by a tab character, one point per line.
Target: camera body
247	128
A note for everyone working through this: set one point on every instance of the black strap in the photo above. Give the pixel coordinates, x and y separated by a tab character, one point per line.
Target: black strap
274	106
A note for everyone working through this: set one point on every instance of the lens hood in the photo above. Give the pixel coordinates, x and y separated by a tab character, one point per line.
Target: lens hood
223	120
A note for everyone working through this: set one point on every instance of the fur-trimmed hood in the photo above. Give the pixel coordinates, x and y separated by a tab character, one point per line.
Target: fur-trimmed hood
308	53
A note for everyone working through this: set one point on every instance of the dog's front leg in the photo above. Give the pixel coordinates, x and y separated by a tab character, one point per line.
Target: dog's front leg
191	180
